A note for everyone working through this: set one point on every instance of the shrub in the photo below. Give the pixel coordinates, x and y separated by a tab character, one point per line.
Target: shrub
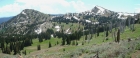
138	46
63	49
38	47
50	45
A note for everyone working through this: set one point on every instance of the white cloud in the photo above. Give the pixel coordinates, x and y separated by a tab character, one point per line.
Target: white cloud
137	9
46	6
10	8
80	6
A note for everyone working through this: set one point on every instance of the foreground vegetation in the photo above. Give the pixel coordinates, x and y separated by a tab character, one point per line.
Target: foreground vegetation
109	38
95	47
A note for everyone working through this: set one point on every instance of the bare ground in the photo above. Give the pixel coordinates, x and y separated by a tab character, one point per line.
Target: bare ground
136	54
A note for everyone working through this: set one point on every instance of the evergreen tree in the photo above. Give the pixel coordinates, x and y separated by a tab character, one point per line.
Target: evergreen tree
57	42
82	43
16	48
50	44
68	40
107	33
38	47
73	42
22	45
2	45
138	21
8	50
97	31
63	40
40	39
31	41
91	36
86	37
11	46
63	49
76	43
118	35
25	52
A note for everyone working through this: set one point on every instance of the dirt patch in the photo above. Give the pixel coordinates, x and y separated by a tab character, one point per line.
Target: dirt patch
42	51
136	54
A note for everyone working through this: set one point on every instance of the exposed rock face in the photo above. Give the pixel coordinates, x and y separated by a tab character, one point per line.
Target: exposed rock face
28	21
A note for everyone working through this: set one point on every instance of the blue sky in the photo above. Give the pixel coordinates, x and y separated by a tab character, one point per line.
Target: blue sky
14	7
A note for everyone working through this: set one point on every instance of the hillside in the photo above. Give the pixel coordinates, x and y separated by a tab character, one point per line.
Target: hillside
89	49
31	21
99	33
27	22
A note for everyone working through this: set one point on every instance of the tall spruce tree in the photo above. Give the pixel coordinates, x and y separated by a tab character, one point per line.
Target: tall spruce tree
118	36
38	47
50	44
68	40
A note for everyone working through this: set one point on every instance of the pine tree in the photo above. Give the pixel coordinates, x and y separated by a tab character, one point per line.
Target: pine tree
63	49
73	42
76	43
118	35
31	41
38	47
50	45
22	46
68	40
97	31
2	45
8	50
63	40
85	37
11	46
16	48
91	36
82	43
57	42
25	52
40	39
107	33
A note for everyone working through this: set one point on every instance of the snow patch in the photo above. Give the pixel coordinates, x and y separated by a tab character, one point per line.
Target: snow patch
68	17
124	15
52	35
38	31
67	30
23	13
88	21
95	23
57	28
76	18
23	22
69	33
101	10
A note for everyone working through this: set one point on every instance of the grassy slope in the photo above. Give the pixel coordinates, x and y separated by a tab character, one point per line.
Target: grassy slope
57	50
73	26
97	40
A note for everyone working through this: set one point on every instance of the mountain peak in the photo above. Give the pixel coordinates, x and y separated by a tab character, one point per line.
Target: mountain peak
29	10
97	6
98	10
29	21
